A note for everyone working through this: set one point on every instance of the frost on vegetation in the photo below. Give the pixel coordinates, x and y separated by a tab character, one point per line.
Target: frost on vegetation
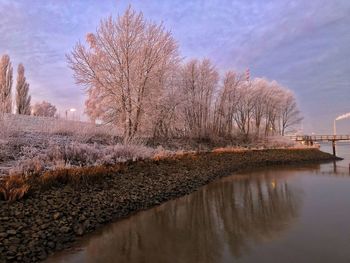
35	161
276	142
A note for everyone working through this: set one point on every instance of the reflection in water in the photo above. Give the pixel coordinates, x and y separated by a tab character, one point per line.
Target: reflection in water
340	168
251	217
217	223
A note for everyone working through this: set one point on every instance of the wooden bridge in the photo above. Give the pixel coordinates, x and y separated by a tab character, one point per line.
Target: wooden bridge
310	139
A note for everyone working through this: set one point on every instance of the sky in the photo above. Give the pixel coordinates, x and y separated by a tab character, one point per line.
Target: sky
304	45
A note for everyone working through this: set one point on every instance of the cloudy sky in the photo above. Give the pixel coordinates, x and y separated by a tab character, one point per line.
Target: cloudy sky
304	45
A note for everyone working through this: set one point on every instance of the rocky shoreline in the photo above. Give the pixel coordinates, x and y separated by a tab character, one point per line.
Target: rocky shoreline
52	219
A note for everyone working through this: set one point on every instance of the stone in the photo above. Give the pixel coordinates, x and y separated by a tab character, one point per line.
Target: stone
12	249
51	244
79	229
44	226
86	224
42	255
43	203
65	229
11	232
3	235
14	240
56	215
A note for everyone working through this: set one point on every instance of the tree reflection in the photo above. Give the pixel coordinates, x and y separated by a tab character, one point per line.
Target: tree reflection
222	220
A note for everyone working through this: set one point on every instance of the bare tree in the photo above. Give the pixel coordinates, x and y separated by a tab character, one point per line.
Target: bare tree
167	116
199	81
244	107
290	115
226	104
258	107
122	67
6	80
22	93
44	109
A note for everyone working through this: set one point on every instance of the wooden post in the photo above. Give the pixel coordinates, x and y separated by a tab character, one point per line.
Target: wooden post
333	146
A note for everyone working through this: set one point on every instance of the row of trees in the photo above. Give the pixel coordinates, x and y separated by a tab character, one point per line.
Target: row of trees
22	98
134	78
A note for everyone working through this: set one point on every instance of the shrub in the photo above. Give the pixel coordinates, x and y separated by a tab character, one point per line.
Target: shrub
120	153
13	187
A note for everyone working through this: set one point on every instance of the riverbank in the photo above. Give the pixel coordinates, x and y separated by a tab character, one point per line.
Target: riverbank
52	219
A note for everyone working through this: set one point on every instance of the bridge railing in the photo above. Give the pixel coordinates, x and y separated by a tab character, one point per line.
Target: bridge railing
319	137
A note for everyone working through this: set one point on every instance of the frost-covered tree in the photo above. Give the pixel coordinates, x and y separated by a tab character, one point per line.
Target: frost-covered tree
44	109
290	114
122	69
6	80
199	80
167	118
22	93
226	104
254	107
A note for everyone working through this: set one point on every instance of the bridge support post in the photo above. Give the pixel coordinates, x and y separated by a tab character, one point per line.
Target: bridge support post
333	146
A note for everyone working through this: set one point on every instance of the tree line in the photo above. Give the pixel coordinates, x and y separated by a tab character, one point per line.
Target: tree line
135	79
22	100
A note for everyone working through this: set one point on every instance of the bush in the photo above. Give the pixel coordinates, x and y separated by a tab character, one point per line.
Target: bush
120	153
13	187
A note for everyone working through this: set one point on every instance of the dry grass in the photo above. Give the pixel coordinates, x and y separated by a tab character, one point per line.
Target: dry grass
229	150
77	175
13	187
161	154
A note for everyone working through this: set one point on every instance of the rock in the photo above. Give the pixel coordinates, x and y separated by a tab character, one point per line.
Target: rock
59	246
51	244
86	224
42	255
56	215
43	203
19	214
14	240
79	229
3	235
65	229
12	249
11	232
44	226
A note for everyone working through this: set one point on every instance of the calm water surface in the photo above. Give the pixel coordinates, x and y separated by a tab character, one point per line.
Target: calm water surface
272	215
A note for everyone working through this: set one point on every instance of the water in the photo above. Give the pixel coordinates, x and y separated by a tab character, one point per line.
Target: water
271	215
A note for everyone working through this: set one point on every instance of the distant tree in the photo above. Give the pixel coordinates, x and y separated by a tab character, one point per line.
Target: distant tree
44	109
22	93
123	69
290	114
6	80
